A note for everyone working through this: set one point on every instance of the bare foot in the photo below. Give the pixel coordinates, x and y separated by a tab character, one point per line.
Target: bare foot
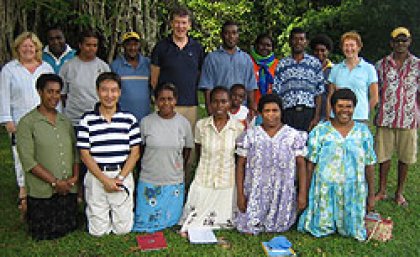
380	196
183	234
400	200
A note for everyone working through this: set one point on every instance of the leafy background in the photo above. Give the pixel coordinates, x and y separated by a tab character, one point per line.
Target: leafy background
373	19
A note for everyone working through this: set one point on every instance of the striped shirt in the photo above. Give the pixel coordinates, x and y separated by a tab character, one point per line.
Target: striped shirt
135	92
216	168
109	143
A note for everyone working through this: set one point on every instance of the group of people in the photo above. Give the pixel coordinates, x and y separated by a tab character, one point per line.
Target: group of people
283	136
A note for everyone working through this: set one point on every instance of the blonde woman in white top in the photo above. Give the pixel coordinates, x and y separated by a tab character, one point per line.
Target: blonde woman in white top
18	94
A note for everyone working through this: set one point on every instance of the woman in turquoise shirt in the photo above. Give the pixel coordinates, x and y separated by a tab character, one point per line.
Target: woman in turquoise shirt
356	74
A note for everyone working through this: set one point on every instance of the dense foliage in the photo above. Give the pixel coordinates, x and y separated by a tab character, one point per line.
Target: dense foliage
374	19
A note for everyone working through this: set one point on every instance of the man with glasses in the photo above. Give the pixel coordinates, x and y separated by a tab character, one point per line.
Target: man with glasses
397	121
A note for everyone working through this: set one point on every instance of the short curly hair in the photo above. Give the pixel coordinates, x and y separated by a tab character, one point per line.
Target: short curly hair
321	39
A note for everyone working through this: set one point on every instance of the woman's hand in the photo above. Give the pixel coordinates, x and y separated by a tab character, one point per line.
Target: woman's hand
62	187
242	203
71	181
10	127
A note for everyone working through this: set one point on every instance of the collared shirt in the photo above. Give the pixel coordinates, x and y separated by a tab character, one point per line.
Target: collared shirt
50	145
216	168
135	93
359	80
221	68
398	92
180	67
80	86
109	143
18	94
298	83
55	62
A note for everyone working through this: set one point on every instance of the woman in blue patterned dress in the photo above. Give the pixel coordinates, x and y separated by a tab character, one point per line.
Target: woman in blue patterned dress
341	163
271	160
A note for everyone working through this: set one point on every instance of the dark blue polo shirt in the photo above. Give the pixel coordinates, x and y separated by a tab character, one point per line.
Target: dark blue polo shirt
180	66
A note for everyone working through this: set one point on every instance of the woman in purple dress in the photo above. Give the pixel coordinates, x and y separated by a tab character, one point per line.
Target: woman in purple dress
270	160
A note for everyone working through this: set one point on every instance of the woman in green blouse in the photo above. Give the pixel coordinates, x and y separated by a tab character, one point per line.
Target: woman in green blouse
46	146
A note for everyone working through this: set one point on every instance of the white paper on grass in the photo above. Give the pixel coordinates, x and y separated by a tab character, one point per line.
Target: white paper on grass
201	236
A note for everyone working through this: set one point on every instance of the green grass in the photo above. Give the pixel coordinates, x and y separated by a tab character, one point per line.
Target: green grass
14	240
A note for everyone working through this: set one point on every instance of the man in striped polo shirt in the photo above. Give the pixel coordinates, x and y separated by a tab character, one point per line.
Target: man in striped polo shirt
108	139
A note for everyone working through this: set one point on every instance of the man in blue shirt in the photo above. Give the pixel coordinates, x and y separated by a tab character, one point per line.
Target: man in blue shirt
227	66
299	81
177	59
134	70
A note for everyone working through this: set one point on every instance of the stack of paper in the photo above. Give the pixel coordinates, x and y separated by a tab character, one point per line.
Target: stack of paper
201	236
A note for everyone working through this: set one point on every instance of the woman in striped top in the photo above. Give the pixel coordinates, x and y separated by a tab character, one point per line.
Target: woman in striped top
211	197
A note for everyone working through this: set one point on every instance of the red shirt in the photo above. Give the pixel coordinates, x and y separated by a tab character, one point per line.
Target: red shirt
398	89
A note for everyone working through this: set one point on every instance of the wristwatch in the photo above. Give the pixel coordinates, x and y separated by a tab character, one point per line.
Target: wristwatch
54	183
120	177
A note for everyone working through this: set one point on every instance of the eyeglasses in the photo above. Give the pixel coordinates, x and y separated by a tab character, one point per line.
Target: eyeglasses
400	40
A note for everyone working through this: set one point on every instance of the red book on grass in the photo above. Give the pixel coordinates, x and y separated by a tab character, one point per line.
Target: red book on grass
149	242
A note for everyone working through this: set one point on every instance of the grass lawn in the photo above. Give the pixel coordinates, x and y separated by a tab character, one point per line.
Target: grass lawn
14	240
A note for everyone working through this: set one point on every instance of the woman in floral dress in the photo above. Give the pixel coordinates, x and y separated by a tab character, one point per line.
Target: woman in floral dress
341	158
271	160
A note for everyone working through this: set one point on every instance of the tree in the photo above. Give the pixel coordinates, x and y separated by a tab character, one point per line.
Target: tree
373	19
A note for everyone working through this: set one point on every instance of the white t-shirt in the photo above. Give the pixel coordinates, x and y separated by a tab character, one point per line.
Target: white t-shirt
241	114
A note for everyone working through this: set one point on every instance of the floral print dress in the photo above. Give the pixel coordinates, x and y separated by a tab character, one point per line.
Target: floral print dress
270	179
338	191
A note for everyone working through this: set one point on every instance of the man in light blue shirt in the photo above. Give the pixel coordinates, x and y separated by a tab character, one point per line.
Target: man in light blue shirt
134	70
227	66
